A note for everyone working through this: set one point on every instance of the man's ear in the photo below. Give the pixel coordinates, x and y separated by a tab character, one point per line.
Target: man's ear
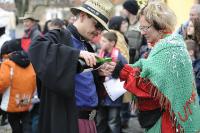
82	16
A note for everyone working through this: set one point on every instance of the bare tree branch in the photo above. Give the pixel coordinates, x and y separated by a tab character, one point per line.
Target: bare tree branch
22	6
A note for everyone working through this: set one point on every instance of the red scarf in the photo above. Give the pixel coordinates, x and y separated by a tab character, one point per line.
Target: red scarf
26	41
163	36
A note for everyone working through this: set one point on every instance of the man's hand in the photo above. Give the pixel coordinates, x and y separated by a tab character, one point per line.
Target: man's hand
107	68
88	57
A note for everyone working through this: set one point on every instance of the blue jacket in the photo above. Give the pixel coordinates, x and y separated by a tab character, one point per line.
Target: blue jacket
85	88
196	68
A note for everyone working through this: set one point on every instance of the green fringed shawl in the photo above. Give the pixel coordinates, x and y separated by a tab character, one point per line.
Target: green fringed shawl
169	68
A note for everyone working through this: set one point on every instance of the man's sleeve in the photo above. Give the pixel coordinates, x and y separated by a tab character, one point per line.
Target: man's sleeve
54	61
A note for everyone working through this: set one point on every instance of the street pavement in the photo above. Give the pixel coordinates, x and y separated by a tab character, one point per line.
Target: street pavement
5	129
134	127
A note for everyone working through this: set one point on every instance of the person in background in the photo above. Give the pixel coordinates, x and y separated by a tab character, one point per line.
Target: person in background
56	24
196	24
31	30
17	84
189	31
194	13
68	99
193	32
119	25
3	38
71	18
108	114
46	27
163	83
192	49
135	39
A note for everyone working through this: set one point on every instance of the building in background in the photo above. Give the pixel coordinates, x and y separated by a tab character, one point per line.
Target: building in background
60	8
181	9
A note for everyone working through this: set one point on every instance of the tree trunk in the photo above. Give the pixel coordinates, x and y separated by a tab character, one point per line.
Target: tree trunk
22	7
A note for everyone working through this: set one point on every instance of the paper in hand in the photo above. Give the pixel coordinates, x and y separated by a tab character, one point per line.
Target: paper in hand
114	88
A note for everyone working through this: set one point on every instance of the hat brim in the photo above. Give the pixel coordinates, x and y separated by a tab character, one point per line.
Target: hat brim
76	10
23	18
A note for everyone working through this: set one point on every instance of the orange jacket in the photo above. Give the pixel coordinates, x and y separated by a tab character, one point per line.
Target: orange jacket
17	85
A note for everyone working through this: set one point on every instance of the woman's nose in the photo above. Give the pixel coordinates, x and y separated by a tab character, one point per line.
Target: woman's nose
142	32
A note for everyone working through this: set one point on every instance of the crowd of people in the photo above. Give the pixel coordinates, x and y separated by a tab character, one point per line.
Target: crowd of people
44	89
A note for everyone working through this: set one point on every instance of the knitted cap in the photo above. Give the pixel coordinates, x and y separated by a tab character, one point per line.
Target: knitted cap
10	46
131	6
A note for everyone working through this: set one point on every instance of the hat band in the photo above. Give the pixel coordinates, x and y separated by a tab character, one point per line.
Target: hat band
95	12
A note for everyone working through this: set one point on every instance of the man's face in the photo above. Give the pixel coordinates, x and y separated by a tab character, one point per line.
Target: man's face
90	27
28	23
193	14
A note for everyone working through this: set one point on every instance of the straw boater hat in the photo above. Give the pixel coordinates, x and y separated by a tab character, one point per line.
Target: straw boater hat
101	10
29	15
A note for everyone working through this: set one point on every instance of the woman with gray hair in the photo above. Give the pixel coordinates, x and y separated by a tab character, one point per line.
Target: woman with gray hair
163	83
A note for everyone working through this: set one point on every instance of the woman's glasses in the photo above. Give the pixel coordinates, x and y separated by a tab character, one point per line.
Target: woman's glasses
144	28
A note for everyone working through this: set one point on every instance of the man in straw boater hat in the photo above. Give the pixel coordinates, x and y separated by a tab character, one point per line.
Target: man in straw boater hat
31	29
68	99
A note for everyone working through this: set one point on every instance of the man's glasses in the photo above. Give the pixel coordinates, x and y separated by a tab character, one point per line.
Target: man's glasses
144	28
98	25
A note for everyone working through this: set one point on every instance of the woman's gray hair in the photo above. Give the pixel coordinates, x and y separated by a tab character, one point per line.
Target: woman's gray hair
159	15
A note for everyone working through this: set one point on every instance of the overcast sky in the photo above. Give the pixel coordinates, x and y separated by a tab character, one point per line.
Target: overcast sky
4	1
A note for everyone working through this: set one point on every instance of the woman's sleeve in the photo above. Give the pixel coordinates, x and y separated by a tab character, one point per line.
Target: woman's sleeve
134	83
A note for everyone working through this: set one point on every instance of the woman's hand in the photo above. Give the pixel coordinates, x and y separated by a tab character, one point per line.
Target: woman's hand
107	68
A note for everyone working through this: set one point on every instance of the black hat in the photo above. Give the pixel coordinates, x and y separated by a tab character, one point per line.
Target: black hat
115	22
10	46
131	6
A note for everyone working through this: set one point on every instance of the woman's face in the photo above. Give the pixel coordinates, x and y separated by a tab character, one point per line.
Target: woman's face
124	26
149	32
190	28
